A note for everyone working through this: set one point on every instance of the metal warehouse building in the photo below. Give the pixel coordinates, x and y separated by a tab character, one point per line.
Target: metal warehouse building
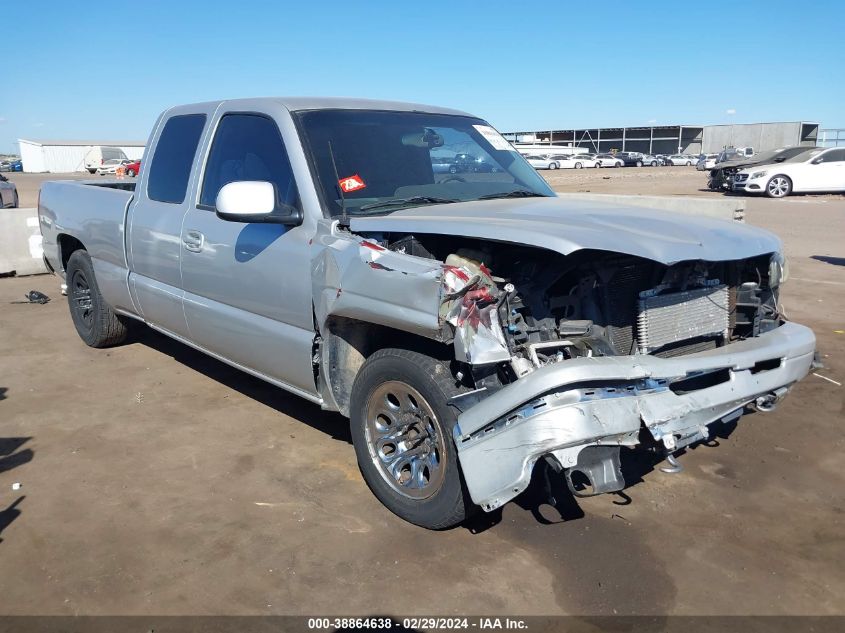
677	139
68	156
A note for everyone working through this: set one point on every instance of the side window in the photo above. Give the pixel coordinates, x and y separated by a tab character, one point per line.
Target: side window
248	147
174	154
836	155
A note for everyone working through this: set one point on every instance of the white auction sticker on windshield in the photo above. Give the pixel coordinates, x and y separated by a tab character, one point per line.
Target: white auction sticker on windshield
494	138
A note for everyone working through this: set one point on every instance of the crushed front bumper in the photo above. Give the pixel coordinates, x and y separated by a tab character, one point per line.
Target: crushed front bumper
563	408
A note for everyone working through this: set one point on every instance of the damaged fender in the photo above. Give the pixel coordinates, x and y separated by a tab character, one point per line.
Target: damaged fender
447	302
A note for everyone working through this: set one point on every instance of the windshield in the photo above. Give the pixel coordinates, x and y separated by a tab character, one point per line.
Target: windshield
384	161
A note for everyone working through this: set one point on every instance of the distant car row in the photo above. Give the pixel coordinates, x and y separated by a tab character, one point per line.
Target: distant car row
620	159
11	165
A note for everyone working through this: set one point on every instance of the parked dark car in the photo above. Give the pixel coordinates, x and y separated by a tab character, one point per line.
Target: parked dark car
470	163
16	165
442	164
8	193
631	159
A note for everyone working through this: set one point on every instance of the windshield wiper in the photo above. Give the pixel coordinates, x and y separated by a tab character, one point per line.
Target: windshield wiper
516	193
415	200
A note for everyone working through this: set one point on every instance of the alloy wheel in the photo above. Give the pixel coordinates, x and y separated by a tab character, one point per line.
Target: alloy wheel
405	440
778	187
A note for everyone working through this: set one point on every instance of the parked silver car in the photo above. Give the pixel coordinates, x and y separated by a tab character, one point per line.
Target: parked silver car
543	162
8	193
470	327
680	159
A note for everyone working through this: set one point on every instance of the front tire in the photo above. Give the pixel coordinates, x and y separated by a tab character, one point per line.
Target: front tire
130	173
402	432
639	163
578	165
96	323
552	165
778	186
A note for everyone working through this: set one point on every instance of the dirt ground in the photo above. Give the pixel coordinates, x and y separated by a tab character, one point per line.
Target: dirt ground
156	480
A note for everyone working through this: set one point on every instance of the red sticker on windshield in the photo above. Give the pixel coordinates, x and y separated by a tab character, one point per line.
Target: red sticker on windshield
352	183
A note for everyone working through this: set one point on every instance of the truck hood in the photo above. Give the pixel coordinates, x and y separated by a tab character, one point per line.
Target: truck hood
566	226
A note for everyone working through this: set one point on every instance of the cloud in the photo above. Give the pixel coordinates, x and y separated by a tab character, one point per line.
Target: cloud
730	111
37	125
652	121
2	120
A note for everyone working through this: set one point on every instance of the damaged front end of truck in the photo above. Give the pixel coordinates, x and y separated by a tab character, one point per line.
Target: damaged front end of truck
567	354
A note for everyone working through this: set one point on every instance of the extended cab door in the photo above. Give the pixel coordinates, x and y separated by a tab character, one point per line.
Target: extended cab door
248	285
155	221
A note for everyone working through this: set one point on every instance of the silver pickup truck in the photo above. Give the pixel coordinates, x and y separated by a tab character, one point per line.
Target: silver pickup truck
469	325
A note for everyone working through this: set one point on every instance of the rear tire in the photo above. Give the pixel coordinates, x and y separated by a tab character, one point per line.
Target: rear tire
96	323
16	201
130	173
399	404
552	165
639	163
578	165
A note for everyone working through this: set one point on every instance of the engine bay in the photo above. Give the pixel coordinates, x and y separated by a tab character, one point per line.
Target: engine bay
516	308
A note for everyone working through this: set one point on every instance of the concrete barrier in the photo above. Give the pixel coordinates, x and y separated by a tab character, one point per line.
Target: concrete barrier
20	242
727	208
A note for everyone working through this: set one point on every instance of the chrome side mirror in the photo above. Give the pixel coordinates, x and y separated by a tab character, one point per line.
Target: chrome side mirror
250	201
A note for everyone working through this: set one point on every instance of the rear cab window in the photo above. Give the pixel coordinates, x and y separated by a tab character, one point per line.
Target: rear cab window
170	169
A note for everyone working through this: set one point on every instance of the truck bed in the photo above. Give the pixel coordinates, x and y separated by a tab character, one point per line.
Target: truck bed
94	212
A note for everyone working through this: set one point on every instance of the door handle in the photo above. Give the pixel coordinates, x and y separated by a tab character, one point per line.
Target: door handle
193	240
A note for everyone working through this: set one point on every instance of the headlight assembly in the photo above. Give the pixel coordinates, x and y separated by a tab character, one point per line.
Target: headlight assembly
778	270
758	174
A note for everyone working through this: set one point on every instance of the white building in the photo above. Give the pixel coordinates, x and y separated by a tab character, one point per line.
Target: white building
68	156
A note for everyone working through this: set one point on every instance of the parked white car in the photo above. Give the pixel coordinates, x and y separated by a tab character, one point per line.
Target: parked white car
110	166
679	159
706	162
609	160
577	161
543	162
98	156
816	170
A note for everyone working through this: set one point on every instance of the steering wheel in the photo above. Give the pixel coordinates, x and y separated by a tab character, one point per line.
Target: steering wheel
454	179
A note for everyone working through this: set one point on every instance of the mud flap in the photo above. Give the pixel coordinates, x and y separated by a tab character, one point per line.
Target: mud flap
602	468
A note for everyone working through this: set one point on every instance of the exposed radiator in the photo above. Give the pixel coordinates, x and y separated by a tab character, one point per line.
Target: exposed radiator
680	316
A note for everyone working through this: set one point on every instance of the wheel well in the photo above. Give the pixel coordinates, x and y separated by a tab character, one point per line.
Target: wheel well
67	245
347	343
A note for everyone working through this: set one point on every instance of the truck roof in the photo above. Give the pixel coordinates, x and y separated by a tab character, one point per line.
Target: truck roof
333	103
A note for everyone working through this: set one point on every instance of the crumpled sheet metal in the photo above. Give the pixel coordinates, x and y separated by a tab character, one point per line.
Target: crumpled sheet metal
478	330
497	466
362	280
498	443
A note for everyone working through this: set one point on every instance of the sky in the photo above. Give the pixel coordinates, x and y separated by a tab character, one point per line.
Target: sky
88	71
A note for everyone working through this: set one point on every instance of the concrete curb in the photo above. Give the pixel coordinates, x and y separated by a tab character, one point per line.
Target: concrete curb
722	208
20	242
